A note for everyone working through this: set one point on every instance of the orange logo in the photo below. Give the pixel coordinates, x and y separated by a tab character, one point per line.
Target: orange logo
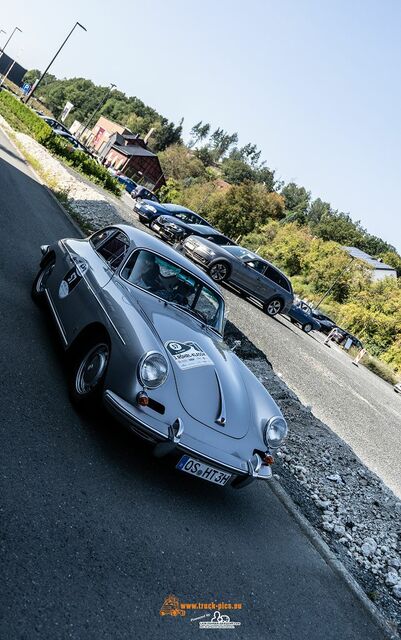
171	607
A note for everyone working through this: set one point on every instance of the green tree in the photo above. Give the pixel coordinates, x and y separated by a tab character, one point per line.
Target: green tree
198	132
236	171
179	163
296	200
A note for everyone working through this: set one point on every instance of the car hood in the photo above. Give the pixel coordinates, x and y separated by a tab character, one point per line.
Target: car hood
208	376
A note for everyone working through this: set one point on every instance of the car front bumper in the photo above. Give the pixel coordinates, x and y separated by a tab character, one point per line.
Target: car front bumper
170	438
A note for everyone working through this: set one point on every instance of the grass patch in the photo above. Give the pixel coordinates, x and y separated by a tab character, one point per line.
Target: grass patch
379	368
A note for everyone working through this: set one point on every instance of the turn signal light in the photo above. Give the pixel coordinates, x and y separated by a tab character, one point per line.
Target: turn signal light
268	459
142	399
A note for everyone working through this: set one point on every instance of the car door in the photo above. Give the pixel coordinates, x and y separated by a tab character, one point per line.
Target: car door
248	275
89	266
276	284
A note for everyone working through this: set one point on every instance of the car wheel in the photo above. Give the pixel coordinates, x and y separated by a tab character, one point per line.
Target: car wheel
39	284
273	307
219	271
88	370
307	327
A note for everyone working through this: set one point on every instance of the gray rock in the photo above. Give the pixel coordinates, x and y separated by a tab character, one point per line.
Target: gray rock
368	547
328	526
392	578
394	562
339	529
335	478
397	590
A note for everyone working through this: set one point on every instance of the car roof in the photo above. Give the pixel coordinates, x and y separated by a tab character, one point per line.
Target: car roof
177	208
144	240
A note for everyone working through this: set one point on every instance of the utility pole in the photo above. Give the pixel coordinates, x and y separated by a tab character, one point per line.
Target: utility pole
30	94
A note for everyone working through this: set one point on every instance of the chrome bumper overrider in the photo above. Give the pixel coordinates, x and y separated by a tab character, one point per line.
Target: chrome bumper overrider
173	437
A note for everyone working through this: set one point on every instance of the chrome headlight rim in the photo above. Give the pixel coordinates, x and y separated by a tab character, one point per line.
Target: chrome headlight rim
141	363
268	425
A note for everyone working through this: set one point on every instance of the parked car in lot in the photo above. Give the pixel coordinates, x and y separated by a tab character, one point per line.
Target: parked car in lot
55	124
144	194
178	226
301	313
341	336
143	328
148	210
326	323
129	184
397	387
247	271
68	137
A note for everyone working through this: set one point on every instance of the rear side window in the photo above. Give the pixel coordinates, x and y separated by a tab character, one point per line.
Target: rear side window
114	248
277	277
99	237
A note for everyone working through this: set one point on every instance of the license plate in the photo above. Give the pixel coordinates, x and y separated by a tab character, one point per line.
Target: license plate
156	227
204	471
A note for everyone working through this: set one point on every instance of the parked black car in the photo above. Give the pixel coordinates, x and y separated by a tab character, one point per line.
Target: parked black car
180	224
300	312
143	193
326	323
341	336
148	210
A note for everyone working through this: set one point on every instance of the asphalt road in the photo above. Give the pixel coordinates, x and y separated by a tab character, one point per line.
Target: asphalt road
358	405
95	532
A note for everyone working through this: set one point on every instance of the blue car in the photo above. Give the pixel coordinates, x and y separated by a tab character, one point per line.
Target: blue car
129	184
301	313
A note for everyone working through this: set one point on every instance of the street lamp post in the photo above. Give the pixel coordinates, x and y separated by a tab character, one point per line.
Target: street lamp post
15	29
99	106
30	95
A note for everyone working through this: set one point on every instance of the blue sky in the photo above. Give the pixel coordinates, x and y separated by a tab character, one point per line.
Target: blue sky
315	83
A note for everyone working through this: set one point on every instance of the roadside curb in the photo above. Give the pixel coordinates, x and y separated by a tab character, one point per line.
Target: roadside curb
41	182
330	558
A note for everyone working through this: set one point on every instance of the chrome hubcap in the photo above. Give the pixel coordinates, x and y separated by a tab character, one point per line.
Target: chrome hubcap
92	368
274	307
218	272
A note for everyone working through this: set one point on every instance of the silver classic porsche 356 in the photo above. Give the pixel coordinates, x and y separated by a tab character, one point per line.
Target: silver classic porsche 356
144	329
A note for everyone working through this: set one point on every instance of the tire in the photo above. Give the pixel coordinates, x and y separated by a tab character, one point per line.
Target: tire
307	327
39	284
219	271
89	366
273	307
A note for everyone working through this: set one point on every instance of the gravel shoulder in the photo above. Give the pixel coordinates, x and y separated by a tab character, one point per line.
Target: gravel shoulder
353	510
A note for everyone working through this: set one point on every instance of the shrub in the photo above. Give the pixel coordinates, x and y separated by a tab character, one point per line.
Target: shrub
24	119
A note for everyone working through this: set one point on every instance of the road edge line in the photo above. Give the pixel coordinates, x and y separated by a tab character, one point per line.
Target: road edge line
331	559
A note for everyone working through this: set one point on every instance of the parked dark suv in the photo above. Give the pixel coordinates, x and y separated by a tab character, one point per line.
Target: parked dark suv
244	269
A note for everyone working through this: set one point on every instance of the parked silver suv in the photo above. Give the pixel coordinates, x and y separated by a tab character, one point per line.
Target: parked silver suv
245	270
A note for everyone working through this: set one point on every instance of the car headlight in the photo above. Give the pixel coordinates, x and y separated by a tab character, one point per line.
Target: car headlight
150	208
275	431
209	252
152	370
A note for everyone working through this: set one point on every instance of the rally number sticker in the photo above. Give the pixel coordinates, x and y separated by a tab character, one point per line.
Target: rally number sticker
69	282
187	355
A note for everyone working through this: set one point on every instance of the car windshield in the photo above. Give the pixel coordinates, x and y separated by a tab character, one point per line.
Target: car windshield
174	284
241	253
